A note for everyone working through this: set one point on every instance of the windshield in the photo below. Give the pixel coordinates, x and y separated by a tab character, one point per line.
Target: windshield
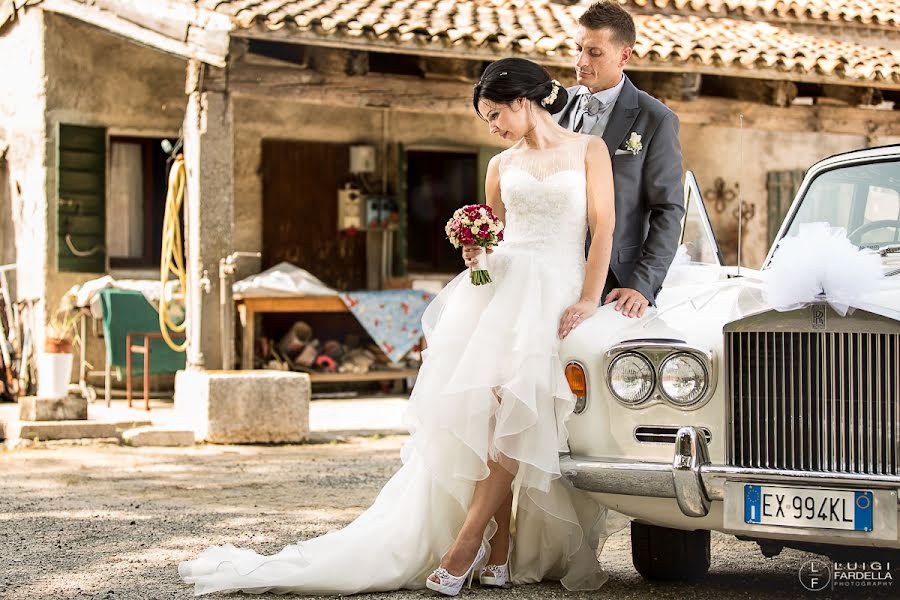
863	199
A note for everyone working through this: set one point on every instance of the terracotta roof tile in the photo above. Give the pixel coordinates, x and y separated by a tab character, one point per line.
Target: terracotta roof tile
869	12
539	29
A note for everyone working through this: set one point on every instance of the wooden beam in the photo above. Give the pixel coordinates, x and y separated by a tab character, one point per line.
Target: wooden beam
274	80
450	69
413	94
184	30
723	112
335	60
855	96
669	86
365	91
775	93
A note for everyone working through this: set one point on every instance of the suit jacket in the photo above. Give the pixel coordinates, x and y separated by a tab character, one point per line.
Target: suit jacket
648	188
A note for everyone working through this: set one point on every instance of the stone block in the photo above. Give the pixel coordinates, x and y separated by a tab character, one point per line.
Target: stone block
34	408
158	436
14	431
244	407
65	430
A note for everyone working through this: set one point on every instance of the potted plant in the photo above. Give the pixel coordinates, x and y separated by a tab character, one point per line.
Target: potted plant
55	362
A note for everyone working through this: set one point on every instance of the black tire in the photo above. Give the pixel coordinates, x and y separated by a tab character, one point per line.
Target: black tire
663	554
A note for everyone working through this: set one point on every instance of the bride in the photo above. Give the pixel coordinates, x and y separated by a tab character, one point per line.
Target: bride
480	490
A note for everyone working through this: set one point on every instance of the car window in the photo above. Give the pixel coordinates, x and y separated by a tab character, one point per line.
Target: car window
882	204
697	234
862	199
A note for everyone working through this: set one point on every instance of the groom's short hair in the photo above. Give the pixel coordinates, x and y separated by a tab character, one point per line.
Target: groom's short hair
607	14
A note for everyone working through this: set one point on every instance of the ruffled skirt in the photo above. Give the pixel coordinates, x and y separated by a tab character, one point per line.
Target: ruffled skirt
491	387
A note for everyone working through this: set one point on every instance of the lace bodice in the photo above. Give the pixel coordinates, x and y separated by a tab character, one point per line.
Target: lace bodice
544	192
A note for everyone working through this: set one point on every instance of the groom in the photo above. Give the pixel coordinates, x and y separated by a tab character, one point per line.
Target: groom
642	136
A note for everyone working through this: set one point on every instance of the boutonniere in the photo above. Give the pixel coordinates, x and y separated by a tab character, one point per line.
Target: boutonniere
634	144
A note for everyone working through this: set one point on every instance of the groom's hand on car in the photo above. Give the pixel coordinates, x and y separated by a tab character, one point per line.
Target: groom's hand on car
631	303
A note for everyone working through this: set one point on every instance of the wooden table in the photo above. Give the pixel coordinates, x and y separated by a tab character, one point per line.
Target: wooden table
250	306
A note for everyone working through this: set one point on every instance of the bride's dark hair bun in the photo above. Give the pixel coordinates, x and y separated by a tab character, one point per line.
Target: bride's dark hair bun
509	78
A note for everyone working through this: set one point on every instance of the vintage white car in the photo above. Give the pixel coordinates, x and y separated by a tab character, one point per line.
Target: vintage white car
716	412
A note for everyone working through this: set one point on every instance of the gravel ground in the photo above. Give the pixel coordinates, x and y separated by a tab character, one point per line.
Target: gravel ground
105	521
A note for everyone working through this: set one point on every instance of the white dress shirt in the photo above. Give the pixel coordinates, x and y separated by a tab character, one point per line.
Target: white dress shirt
586	122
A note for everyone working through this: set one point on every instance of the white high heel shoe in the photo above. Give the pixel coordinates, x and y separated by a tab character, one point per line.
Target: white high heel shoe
496	575
450	585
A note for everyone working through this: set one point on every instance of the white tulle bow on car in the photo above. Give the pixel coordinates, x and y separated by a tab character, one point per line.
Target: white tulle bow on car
821	260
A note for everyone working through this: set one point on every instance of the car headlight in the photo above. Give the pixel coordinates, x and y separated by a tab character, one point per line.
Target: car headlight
631	378
683	379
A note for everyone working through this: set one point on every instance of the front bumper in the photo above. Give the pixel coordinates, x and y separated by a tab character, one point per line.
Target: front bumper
693	481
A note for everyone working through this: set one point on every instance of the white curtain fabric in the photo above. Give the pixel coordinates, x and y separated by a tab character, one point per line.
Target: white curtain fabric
125	212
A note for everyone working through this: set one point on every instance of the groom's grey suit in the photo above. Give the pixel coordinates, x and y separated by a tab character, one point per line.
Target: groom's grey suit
649	193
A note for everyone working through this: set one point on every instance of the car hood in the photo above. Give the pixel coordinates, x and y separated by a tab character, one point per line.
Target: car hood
696	302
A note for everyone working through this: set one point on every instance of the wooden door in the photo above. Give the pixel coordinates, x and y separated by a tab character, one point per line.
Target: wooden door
300	185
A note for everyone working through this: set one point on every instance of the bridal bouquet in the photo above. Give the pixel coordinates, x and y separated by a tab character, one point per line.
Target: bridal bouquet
475	225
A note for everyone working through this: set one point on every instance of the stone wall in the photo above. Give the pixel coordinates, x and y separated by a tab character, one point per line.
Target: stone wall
712	152
98	79
23	101
261	118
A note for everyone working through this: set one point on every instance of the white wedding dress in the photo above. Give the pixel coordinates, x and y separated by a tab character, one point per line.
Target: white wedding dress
484	342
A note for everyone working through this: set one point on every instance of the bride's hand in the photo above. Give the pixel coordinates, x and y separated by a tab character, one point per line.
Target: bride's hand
573	316
470	254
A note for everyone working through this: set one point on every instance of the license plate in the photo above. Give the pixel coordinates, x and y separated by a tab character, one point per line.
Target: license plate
799	507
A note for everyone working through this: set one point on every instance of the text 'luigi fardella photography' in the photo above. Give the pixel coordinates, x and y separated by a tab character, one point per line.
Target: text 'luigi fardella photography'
530	299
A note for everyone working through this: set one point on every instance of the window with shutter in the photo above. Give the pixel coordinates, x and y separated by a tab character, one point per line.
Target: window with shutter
782	187
138	182
81	193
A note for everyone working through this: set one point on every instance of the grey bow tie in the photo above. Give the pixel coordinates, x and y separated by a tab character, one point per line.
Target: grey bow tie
589	104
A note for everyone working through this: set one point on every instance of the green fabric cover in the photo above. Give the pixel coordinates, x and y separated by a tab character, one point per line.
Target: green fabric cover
127	311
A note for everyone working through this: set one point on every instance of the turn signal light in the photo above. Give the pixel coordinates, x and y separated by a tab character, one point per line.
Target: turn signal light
577	380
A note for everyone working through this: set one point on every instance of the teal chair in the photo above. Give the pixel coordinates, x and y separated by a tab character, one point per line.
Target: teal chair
127	319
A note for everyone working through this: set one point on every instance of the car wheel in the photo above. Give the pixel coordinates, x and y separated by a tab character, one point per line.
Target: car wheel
663	554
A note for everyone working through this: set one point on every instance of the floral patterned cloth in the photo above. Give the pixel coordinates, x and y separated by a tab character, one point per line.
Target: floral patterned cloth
392	317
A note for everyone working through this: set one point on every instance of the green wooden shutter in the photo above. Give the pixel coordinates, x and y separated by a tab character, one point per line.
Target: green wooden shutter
485	154
782	187
81	198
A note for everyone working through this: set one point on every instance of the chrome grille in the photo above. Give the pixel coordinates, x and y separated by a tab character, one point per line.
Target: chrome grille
663	434
814	400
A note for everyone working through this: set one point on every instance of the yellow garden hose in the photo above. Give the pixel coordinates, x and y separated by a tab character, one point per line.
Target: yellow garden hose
172	256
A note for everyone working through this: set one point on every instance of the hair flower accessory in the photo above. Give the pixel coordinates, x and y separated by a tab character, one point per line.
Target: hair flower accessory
551	97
